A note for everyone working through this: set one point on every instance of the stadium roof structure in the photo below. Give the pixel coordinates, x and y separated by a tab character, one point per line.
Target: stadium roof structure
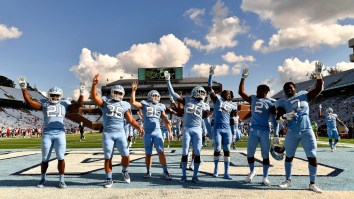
15	94
331	82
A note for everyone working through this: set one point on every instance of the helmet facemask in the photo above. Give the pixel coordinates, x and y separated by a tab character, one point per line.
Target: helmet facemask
199	93
154	96
55	95
117	93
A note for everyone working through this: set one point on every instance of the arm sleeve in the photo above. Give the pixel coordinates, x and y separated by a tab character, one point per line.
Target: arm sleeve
172	92
210	84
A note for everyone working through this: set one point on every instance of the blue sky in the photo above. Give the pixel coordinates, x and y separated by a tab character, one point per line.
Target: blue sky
60	43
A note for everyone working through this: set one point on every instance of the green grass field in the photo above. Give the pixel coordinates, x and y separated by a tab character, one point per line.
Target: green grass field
93	140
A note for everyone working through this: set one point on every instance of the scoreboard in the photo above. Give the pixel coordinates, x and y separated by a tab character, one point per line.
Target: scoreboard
158	73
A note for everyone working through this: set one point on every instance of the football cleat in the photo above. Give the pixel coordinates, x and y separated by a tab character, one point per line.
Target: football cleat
147	175
250	176
126	177
266	182
167	176
285	184
62	185
195	180
41	183
227	177
183	180
108	183
314	188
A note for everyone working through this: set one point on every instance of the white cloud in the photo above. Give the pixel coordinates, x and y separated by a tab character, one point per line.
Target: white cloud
170	52
343	66
295	70
236	69
9	32
231	57
203	70
306	24
194	14
222	32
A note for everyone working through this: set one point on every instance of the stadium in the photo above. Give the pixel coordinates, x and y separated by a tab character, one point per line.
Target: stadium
84	164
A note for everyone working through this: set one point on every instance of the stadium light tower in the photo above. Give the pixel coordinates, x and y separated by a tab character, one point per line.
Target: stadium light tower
351	45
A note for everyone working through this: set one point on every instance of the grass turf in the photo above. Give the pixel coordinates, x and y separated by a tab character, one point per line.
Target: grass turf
94	140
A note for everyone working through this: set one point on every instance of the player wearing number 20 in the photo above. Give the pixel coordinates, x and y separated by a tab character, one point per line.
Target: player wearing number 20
54	110
114	111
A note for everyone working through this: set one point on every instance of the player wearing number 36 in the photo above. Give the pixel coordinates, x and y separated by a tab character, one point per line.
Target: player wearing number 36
54	110
114	110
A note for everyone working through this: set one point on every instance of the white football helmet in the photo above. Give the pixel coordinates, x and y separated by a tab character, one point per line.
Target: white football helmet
277	149
329	110
117	92
152	94
55	94
198	92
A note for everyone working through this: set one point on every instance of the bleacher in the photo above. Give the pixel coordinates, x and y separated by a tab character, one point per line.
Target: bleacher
8	93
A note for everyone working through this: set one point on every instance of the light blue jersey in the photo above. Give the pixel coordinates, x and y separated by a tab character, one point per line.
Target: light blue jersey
113	114
331	120
222	111
151	115
298	104
193	113
260	110
54	114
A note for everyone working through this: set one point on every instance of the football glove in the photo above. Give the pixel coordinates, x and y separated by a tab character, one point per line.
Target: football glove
172	100
318	70
82	88
245	73
320	106
167	75
22	82
211	70
346	130
290	116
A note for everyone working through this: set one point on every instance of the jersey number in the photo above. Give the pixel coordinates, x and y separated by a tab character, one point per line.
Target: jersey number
152	112
196	110
258	107
115	111
55	111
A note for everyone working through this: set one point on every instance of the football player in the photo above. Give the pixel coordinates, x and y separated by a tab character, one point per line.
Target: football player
114	111
261	109
194	111
295	108
331	121
224	109
54	109
152	111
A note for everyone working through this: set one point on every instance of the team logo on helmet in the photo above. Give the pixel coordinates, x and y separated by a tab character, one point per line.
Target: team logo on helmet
154	96
198	92
55	94
277	150
117	92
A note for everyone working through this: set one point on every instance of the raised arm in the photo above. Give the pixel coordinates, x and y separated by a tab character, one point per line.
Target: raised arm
320	114
210	83
32	103
133	102
75	106
170	88
319	84
96	99
241	89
